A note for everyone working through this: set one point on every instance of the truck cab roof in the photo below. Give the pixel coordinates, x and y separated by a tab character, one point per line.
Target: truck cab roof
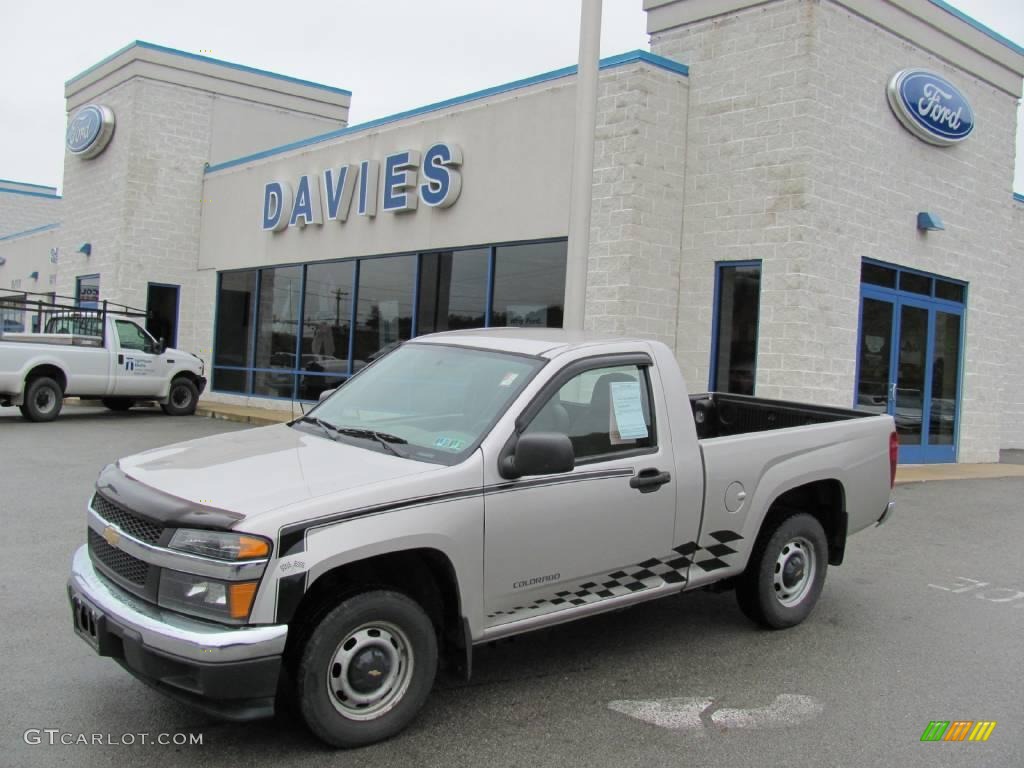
539	342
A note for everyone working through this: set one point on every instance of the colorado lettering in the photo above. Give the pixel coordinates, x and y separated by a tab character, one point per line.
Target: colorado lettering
406	178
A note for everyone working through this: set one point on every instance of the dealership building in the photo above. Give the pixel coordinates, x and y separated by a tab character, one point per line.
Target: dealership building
805	199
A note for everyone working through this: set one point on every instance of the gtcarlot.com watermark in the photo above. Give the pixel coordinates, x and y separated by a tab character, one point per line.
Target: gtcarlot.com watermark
55	737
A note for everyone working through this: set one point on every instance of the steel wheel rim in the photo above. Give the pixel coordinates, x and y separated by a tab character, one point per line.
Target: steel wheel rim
45	400
181	396
795	569
387	642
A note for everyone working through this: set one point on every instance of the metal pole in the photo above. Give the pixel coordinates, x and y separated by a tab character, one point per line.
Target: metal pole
581	192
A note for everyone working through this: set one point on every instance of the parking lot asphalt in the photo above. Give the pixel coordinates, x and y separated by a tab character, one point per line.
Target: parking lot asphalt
925	621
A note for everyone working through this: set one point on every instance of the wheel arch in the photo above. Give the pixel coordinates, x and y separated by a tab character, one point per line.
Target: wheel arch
424	574
825	500
47	369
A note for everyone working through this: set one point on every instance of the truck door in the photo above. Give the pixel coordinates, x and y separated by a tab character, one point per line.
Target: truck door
136	362
606	528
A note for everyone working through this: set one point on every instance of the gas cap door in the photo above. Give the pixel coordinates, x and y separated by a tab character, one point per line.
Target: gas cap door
735	497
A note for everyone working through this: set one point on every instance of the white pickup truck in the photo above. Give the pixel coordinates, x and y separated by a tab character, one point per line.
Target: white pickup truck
466	487
94	354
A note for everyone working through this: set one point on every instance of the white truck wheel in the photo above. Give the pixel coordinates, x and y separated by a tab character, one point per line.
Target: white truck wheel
43	399
366	669
182	399
785	574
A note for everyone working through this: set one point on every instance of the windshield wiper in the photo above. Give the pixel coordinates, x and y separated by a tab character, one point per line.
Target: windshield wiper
383	438
329	429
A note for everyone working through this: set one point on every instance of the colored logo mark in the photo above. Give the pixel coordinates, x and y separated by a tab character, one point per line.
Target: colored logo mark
958	730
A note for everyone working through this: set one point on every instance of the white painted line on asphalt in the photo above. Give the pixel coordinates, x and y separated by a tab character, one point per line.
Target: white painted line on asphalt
788	709
665	713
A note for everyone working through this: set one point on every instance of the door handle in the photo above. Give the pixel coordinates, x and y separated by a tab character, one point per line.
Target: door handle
648	480
120	359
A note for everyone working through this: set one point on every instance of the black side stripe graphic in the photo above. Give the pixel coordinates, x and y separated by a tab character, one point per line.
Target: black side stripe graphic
292	538
290	590
651	573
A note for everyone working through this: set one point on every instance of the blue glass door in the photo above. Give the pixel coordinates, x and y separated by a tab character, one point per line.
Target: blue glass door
909	351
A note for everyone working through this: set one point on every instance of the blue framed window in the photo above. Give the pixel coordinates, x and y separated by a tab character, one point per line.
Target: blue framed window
736	314
293	331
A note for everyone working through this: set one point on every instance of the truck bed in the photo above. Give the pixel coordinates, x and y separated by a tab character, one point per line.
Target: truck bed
718	414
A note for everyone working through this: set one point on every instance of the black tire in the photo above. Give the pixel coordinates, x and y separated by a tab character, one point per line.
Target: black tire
182	398
116	404
43	399
342	660
786	573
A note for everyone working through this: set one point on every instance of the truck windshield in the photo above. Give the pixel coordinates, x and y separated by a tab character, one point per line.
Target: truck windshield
429	402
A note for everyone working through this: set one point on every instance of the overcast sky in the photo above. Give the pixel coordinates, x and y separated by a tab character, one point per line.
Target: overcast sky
392	54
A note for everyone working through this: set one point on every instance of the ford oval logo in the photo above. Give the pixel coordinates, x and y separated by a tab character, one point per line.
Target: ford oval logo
90	130
930	107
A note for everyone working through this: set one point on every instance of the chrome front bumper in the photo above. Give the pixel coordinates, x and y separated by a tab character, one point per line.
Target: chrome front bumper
167	632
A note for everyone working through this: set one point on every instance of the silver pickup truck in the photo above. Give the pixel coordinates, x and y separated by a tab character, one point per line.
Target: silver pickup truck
466	487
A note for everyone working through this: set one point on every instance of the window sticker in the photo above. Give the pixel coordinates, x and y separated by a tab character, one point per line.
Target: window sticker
442	442
627	408
451	443
508	379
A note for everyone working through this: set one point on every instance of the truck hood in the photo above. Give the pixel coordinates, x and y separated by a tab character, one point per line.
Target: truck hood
261	469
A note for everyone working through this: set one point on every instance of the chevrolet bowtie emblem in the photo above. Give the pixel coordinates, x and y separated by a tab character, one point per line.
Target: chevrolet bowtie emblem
111	535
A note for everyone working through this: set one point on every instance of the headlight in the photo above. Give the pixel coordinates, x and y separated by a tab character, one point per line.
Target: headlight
224	601
220	545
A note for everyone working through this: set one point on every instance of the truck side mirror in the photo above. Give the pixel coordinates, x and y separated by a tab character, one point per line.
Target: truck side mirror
161	346
540	453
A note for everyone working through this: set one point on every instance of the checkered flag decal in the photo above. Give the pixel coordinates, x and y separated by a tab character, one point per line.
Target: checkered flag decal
654	572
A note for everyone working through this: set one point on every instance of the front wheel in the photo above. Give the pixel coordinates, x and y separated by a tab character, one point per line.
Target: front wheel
366	669
785	574
182	399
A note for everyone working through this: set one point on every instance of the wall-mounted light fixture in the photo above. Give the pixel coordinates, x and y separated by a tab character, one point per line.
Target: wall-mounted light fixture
85	248
33	275
927	221
2	261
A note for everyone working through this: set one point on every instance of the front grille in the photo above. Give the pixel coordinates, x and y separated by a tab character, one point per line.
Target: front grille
130	523
129	568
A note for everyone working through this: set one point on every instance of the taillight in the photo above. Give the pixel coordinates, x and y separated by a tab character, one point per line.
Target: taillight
894	454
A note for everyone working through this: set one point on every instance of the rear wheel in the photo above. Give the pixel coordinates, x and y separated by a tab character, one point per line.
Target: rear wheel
116	404
366	669
43	399
786	573
182	399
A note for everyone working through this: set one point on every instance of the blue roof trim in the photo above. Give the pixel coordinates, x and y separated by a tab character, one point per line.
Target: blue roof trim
612	61
32	231
978	26
208	60
47	195
1018	197
26	184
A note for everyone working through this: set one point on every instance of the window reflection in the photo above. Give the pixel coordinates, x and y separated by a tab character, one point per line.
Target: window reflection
453	290
384	311
529	285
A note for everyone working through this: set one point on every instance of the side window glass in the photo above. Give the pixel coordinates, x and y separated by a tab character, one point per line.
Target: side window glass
604	411
131	336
